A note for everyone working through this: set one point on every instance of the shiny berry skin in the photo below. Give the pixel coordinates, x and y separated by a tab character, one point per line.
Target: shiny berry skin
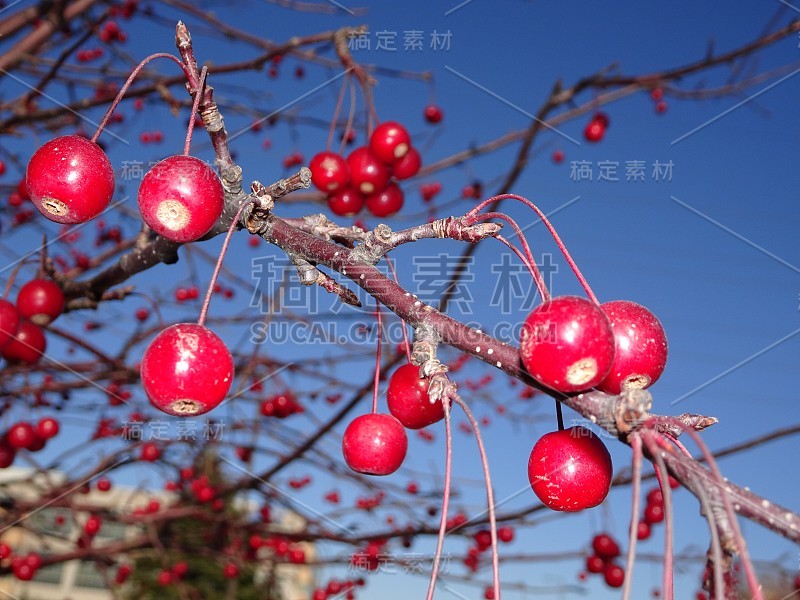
21	435
367	173
408	401
408	166
605	547
386	202
653	513
570	470
594	132
9	322
642	530
567	344
92	525
149	452
41	301
389	141
27	346
374	444
187	370
614	575
433	114
47	428
640	347
346	202
181	198
595	564
70	179
329	171
505	534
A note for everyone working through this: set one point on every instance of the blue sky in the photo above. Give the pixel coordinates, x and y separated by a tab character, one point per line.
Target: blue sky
712	251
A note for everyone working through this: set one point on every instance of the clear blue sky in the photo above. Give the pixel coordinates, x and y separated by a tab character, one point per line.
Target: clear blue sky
713	251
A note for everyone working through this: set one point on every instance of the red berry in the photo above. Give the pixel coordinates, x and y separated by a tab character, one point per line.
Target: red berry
567	344
181	198
655	496
656	94
27	346
70	179
605	547
433	114
408	166
329	171
570	470
367	173
103	484
389	141
407	398
149	452
2	167
653	513
595	564
7	454
386	202
20	435
505	534
558	156
40	300
230	571
594	132
374	444
614	575
346	202
165	578
9	322
640	347
92	525
123	572
47	428
642	530
5	551
661	107
187	370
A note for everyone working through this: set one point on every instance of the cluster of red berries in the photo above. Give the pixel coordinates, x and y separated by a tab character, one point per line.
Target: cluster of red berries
70	180
39	302
653	510
605	551
281	406
596	128
482	542
23	567
111	32
151	137
570	345
369	558
335	589
429	191
89	54
657	96
24	435
364	178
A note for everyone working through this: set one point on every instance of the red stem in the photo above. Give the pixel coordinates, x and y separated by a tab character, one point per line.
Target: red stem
196	103
128	83
636	476
377	378
204	309
448	462
489	495
552	231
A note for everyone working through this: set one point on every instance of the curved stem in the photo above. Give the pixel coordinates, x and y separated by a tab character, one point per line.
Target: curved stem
207	300
195	104
393	271
633	534
550	228
377	378
663	482
128	83
489	494
336	111
752	579
448	463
